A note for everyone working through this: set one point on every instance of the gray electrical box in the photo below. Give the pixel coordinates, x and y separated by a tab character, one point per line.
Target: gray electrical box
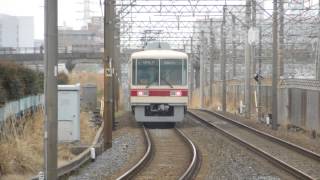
68	113
89	97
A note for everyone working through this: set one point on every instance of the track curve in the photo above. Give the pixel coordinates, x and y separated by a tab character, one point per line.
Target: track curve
170	153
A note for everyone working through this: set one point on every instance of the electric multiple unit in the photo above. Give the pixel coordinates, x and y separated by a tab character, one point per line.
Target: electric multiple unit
158	85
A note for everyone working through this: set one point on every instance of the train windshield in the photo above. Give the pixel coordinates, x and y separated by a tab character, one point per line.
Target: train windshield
172	72
145	72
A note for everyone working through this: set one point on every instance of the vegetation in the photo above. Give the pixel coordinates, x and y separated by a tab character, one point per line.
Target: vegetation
63	78
17	81
21	146
88	77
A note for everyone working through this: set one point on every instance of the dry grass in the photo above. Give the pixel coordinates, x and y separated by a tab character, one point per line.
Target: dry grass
21	146
88	77
87	133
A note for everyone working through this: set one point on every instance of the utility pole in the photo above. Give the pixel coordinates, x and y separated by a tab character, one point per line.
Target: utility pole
108	73
51	93
281	38
212	57
275	66
202	69
223	61
234	46
248	63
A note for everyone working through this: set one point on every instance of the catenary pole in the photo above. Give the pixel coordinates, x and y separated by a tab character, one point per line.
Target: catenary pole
281	38
108	73
234	47
318	49
254	24
275	65
191	69
260	72
114	62
223	61
202	69
248	63
51	97
212	57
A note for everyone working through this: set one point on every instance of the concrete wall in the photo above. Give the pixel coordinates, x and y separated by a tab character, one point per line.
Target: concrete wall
313	110
297	106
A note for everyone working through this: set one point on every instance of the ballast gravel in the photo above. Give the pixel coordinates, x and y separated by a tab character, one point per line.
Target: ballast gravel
109	161
225	159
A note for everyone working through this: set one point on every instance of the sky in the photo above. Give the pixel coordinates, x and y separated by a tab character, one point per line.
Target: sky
69	12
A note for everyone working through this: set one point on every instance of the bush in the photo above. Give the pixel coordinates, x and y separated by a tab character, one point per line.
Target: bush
17	81
3	95
63	78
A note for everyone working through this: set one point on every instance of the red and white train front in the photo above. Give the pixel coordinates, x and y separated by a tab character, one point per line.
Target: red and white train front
159	89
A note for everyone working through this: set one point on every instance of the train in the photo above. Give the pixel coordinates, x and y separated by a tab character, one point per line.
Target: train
158	85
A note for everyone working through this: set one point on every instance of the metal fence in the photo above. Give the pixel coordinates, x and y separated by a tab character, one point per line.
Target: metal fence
18	107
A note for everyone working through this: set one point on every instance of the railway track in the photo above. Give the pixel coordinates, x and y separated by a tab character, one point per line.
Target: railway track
297	161
169	154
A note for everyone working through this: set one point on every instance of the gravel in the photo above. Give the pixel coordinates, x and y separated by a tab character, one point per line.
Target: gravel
224	159
111	160
296	159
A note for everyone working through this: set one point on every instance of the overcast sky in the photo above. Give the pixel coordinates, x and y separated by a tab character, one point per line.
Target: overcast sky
69	12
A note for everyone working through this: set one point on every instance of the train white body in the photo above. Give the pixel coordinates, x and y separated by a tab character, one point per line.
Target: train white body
158	85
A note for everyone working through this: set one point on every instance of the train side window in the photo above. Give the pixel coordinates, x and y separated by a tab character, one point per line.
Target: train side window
184	72
134	74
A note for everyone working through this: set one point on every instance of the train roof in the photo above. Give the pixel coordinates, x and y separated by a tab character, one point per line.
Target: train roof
159	54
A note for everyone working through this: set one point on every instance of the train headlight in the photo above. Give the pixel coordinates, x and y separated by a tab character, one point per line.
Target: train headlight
176	93
143	93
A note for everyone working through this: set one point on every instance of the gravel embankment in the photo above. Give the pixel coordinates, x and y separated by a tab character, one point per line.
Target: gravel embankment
225	159
111	160
295	159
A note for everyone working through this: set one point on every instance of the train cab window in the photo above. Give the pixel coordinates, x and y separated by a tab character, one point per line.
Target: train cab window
173	72
147	72
133	75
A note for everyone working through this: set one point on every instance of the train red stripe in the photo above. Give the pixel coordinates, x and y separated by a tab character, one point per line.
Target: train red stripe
159	92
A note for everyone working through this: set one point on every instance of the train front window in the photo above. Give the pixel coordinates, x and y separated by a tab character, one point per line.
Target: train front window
147	72
173	72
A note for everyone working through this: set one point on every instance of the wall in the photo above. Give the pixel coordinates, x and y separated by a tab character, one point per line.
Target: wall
298	101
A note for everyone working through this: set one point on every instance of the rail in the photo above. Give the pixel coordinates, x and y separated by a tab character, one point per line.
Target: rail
195	162
188	174
146	157
281	164
297	148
